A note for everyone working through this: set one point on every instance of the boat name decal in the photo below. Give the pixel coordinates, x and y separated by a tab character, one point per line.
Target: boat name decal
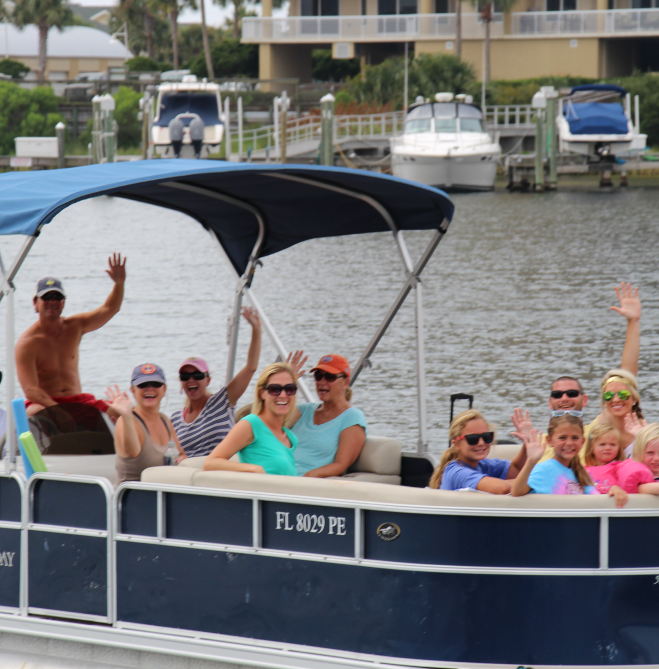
6	559
315	524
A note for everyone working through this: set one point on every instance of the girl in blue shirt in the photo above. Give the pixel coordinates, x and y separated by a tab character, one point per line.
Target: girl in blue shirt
561	475
465	463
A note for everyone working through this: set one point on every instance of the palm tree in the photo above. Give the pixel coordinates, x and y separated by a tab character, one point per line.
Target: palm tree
204	35
45	14
487	16
240	10
458	28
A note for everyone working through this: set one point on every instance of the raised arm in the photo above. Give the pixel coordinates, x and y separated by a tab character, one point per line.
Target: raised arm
93	320
630	308
534	452
238	385
128	435
351	442
523	427
239	436
26	369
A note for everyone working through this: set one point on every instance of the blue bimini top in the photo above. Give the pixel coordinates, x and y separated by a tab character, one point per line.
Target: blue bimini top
596	118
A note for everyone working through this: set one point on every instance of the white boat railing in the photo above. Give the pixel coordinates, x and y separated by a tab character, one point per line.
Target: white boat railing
613	21
364	28
509	116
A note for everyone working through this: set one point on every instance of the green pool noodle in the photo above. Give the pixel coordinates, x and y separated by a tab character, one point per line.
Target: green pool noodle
32	451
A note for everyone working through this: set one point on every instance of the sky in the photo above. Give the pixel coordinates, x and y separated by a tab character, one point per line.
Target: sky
215	15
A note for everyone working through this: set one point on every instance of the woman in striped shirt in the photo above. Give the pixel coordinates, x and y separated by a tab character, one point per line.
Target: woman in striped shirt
207	417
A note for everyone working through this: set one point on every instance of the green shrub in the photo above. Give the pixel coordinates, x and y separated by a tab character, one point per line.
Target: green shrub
13	68
127	106
326	68
230	59
144	64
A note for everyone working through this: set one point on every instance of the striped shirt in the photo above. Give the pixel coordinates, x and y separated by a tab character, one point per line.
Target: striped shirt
208	429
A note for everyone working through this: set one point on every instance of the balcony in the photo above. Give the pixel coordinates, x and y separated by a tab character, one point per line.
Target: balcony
618	22
369	28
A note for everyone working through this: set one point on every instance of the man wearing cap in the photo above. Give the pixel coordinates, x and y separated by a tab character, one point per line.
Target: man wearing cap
47	352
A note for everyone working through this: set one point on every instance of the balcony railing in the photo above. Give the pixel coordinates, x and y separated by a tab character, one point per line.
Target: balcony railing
395	28
614	21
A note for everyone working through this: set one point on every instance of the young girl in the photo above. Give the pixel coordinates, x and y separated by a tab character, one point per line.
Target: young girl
563	474
465	463
646	449
603	457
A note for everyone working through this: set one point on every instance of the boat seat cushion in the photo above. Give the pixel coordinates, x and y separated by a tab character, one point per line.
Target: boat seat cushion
169	475
380	455
504	451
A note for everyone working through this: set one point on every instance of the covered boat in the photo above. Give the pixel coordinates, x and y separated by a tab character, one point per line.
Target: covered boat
269	571
595	120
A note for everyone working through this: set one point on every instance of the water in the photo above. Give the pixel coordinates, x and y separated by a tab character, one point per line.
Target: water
516	294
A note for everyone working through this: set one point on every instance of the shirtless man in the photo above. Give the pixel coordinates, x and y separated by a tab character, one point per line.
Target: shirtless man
47	352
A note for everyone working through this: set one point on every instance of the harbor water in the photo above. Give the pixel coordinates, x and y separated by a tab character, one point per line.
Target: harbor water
516	294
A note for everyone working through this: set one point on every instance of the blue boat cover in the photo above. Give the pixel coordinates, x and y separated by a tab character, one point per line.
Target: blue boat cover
596	118
293	211
599	87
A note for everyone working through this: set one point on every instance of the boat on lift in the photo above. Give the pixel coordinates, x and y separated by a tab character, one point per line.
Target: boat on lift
445	145
594	120
188	119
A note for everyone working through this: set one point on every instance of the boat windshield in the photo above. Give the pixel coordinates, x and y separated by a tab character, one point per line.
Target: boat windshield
422	111
444	109
445	125
469	111
470	125
418	125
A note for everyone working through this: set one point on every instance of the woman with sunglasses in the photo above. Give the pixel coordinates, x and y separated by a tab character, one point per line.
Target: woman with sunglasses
331	434
263	444
465	463
207	417
142	435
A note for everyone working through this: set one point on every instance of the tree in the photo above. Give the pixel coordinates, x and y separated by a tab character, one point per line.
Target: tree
148	31
13	68
240	10
45	14
230	58
487	8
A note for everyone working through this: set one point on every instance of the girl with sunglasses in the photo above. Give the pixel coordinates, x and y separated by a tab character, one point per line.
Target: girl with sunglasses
142	435
563	474
465	463
331	433
263	444
207	417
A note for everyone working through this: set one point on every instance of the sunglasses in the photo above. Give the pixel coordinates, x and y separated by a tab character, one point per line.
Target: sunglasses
473	439
275	389
569	412
150	384
52	297
557	394
197	376
319	375
622	394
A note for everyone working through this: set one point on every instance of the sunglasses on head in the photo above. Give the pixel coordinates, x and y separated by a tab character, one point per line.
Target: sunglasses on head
569	412
197	376
473	439
150	384
275	389
319	375
622	394
557	394
52	297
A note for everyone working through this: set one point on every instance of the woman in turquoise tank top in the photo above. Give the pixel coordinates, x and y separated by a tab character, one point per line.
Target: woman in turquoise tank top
263	444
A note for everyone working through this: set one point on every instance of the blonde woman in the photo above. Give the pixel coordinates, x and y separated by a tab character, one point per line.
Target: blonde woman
465	463
262	442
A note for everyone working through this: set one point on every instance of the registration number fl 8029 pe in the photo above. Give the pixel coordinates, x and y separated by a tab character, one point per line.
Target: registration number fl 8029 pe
311	522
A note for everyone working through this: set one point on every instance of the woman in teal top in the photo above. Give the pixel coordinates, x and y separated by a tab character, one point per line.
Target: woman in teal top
263	444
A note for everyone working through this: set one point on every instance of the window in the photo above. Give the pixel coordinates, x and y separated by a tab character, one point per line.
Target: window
422	111
419	125
468	111
309	8
397	7
441	7
319	7
470	125
444	124
561	5
444	109
644	4
329	7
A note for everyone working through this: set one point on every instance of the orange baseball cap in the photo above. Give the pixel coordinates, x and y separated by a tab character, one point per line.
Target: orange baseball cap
334	364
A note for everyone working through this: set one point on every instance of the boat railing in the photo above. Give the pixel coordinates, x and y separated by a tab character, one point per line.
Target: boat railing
509	116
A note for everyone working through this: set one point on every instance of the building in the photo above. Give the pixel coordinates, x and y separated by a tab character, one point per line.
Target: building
74	50
588	38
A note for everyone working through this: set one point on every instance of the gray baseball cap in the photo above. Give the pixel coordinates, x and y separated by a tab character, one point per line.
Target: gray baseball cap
147	372
49	285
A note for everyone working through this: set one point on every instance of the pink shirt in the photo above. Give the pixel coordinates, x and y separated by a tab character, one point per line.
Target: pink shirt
627	475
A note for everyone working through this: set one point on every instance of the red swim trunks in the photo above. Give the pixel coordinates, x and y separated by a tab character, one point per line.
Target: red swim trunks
82	398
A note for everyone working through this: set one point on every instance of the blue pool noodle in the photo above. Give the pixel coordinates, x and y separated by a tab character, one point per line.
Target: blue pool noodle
22	425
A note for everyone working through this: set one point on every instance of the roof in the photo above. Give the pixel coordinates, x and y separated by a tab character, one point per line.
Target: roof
293	210
71	42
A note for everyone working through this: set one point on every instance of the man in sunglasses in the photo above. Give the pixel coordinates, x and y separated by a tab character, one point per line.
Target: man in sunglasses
47	352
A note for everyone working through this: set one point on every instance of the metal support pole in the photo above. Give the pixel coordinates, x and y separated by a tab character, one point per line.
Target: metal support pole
552	141
276	125
96	129
327	130
240	129
227	128
405	88
283	103
539	146
59	129
422	446
10	375
637	119
108	136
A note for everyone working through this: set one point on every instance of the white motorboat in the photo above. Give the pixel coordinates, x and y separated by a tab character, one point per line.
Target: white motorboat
183	108
594	120
445	145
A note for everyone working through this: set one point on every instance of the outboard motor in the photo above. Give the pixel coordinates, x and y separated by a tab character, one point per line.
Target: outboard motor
197	135
176	135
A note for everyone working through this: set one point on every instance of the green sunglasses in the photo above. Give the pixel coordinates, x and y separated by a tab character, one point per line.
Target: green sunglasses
624	395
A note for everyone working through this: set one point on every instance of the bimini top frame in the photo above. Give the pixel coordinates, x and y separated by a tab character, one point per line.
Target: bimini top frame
251	211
